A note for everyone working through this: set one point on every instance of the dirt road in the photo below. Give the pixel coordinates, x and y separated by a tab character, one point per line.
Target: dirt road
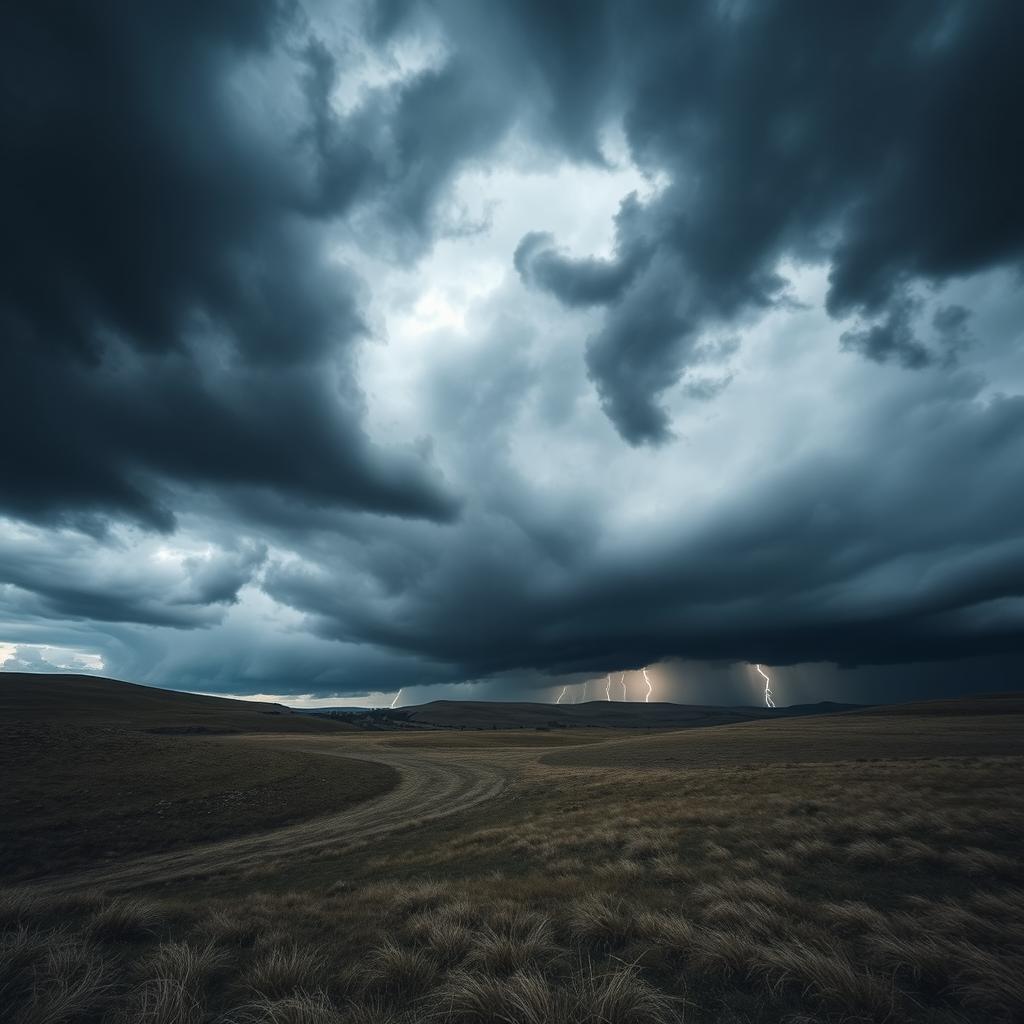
433	784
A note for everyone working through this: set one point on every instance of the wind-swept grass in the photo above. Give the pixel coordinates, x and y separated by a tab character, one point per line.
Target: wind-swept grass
842	892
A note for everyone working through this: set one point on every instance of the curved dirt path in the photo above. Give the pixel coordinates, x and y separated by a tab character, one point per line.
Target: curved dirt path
432	785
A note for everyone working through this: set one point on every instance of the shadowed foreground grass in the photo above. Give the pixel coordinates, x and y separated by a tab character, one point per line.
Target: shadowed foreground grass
886	890
74	797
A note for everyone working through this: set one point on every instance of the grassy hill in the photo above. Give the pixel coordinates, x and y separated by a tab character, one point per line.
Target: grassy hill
970	727
859	867
603	714
72	699
75	796
86	780
849	868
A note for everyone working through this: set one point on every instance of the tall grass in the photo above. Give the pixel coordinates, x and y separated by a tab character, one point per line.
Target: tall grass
837	893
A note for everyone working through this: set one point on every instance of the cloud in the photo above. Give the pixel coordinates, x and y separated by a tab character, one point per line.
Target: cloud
724	367
849	550
124	578
171	310
576	282
878	140
27	658
894	338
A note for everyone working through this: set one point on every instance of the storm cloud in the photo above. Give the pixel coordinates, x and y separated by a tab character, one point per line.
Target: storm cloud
420	343
880	138
169	306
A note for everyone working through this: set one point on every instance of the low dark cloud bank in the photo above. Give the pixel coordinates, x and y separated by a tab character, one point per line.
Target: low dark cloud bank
182	322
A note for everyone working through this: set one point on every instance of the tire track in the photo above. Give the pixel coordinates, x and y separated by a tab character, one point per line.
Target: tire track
431	785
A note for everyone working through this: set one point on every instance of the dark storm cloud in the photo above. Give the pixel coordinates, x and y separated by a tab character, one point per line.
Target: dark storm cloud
546	64
883	137
796	568
169	307
62	576
894	339
583	282
180	341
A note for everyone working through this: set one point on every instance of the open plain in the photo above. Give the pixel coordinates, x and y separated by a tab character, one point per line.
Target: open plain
856	867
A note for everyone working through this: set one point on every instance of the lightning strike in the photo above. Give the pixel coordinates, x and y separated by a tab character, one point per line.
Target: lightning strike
650	688
561	695
394	703
767	687
608	688
622	683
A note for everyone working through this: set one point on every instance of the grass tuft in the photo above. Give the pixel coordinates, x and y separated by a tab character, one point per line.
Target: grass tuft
126	920
515	945
164	1001
304	1008
285	970
398	973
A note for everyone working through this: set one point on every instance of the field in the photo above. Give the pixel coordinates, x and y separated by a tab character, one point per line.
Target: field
864	867
77	796
597	713
84	700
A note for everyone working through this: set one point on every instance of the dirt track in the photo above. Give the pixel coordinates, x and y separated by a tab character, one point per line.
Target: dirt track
433	784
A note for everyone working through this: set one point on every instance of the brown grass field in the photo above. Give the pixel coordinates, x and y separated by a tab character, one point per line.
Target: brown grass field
89	700
77	796
864	867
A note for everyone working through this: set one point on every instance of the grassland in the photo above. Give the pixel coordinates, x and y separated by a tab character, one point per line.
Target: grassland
605	714
74	797
92	700
807	872
813	740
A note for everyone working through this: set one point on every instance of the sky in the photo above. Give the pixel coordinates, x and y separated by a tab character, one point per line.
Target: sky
485	350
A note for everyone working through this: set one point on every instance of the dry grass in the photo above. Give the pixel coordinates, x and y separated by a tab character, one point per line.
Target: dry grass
516	945
300	1009
75	796
886	891
126	920
65	984
282	971
601	920
399	973
618	996
164	1001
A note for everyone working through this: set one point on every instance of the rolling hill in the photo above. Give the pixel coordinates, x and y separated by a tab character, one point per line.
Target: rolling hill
598	714
85	700
928	729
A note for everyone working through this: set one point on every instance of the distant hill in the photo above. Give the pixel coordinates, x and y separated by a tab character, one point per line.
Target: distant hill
976	704
598	713
969	727
93	700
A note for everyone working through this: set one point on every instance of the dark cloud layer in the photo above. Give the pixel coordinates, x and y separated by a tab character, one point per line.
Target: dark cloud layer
192	222
168	304
880	136
793	572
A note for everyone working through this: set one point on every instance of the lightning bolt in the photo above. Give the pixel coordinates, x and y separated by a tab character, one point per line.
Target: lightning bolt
767	687
561	695
394	703
608	688
622	683
650	688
